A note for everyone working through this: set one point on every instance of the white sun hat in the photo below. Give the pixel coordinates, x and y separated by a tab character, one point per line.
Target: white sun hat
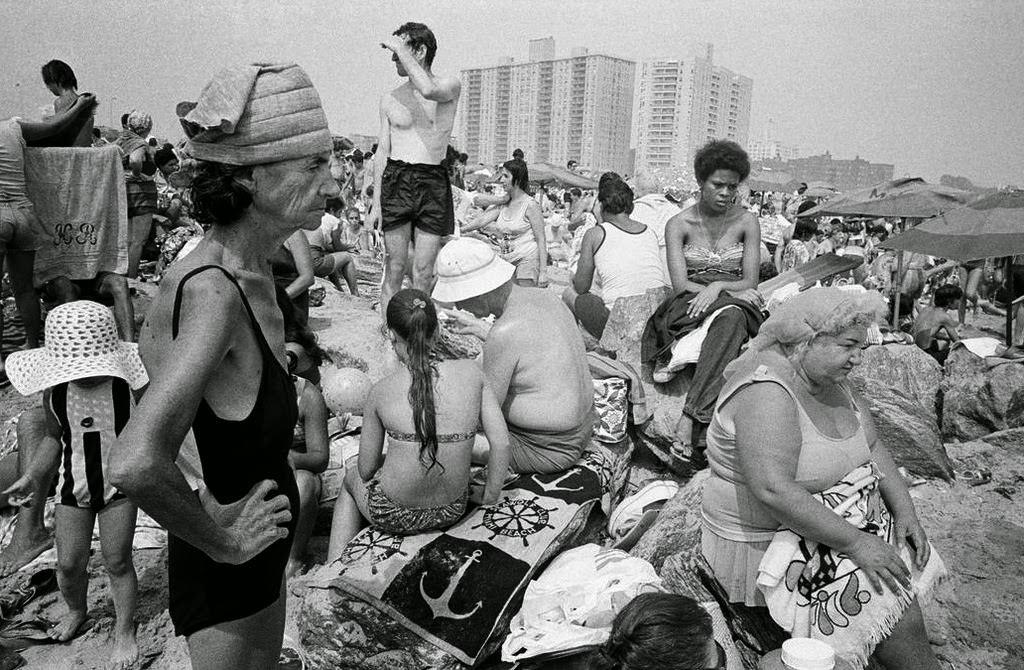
81	341
467	268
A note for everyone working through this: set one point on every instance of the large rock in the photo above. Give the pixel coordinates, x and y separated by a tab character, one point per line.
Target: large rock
622	336
626	324
908	429
677	530
1011	439
903	368
985	402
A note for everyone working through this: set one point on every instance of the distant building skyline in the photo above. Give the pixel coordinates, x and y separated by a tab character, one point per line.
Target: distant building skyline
843	174
682	103
554	109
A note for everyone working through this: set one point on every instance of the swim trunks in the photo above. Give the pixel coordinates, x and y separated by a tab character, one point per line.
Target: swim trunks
235	456
418	194
17	227
548	451
90	418
391	517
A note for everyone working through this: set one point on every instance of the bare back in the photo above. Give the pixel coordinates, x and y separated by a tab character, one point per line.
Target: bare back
550	387
457	401
420	129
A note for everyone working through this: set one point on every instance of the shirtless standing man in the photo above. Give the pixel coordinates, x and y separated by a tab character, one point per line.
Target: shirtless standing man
543	384
411	186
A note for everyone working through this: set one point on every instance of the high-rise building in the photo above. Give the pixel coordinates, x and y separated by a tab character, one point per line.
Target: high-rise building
771	150
683	103
555	110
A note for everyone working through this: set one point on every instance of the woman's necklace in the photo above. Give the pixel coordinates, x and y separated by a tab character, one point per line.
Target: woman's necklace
704	228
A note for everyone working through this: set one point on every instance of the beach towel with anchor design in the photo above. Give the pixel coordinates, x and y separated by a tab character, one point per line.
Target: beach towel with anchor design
455	588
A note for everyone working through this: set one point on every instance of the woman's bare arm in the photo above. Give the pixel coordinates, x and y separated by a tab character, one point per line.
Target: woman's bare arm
371	440
317	453
143	456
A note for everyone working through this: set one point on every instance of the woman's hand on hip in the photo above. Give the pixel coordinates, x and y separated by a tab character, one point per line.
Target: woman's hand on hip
880	563
908	533
253	523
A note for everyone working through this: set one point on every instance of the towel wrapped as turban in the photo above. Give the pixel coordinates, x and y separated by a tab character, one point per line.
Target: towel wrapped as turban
254	114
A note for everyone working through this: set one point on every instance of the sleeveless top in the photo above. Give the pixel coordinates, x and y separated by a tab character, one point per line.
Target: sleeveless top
729	508
628	263
235	455
512	233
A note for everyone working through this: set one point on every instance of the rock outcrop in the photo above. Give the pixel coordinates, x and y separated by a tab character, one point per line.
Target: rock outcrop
990	400
905	369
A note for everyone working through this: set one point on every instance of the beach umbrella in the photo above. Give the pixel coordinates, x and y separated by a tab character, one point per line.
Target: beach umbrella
910	197
546	173
988	227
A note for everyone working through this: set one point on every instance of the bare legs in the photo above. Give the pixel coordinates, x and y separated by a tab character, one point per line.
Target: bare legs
309	499
20	264
29	538
117	530
349	512
139	228
907	646
251	643
396	259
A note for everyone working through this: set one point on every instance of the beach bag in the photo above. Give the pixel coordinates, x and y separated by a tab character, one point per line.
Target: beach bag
573	603
611	403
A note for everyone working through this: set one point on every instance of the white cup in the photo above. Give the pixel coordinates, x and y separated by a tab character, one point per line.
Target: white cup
803	653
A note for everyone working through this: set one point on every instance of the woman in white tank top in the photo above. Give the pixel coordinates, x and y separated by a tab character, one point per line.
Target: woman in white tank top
621	252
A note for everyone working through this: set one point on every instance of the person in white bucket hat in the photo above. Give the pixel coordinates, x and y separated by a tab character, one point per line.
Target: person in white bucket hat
87	375
533	356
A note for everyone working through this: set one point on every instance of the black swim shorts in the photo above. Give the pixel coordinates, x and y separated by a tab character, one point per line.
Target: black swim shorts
418	194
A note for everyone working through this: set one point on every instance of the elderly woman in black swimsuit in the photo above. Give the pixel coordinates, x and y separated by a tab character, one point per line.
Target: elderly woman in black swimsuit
213	344
713	250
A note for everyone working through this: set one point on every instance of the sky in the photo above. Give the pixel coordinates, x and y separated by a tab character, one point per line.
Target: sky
933	87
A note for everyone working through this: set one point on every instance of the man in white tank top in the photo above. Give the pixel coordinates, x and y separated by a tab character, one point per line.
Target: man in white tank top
622	252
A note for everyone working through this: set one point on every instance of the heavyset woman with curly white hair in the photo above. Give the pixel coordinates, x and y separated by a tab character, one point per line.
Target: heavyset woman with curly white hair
805	511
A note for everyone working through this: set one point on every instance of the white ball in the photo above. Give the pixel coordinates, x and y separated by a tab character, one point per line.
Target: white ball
345	390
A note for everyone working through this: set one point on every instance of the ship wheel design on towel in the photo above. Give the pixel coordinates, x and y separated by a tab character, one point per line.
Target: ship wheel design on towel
516	517
373	545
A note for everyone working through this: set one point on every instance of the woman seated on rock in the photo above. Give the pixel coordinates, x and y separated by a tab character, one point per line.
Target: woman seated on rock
429	411
788	427
714	257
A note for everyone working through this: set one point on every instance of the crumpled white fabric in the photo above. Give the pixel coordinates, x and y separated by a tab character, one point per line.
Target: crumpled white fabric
574	601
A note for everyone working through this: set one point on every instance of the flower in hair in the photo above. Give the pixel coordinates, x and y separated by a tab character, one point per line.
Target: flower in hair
418	303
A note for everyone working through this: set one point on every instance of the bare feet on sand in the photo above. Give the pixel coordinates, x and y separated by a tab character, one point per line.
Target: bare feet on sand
67	626
22	551
125	654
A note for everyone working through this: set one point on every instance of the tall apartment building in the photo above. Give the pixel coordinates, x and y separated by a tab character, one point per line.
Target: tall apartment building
577	108
683	103
771	150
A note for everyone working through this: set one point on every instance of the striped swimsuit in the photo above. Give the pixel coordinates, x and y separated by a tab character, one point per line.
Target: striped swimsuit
90	418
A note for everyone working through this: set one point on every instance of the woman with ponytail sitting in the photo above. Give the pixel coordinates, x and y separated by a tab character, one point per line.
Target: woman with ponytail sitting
429	411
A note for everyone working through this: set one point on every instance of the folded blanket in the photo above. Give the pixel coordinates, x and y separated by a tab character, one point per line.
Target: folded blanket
814	591
80	202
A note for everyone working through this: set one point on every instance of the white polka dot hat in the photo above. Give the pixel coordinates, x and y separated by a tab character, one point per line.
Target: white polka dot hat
81	341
